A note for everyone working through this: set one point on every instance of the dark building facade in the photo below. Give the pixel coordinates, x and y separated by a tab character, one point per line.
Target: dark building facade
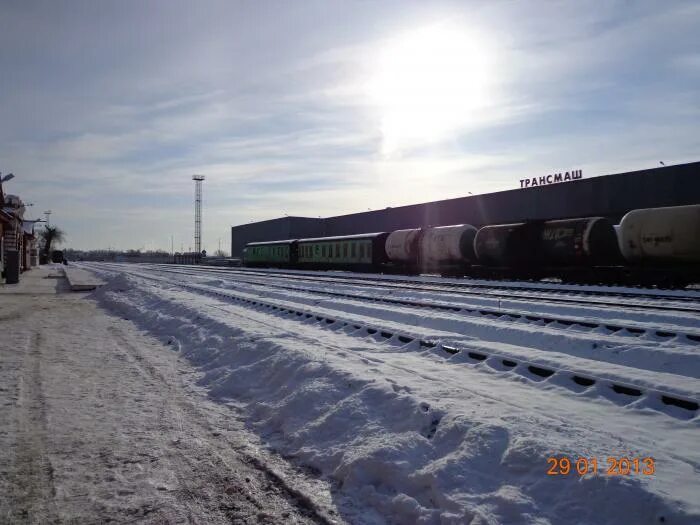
607	196
274	230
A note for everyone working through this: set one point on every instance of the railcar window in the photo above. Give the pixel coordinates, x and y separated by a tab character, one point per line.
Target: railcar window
353	250
337	249
345	249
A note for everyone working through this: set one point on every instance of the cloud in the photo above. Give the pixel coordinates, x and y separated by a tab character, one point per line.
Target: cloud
108	109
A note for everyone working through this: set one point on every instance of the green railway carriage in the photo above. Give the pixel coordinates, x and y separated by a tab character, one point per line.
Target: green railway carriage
273	253
365	251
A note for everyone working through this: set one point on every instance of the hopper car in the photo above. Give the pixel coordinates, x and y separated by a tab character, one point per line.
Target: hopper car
656	246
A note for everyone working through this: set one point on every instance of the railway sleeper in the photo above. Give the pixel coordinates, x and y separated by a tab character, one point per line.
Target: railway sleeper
627	390
682	403
539	371
583	381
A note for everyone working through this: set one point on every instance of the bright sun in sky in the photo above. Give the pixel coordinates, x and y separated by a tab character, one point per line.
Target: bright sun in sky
429	83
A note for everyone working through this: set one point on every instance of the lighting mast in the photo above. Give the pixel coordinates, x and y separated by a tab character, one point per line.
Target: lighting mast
198	212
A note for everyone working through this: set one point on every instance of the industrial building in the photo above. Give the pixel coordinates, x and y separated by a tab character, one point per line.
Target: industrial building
606	196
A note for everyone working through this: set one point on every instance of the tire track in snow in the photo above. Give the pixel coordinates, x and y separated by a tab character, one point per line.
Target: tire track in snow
191	421
31	498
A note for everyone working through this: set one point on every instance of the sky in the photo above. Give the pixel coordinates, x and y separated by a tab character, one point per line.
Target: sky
320	108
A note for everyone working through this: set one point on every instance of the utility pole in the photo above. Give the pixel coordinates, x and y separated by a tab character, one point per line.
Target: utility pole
198	212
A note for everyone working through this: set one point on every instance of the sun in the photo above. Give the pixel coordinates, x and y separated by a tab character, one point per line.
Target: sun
429	83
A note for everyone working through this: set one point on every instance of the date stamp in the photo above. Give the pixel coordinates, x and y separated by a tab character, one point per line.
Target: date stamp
609	466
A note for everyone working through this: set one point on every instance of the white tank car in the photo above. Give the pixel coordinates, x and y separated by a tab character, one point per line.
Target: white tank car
447	245
402	246
663	234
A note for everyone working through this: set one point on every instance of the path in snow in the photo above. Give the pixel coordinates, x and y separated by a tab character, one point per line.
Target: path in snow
102	423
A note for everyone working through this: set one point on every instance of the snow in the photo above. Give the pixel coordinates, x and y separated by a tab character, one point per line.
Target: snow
101	423
415	434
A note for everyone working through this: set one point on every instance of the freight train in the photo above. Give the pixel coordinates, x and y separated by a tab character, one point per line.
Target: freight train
655	246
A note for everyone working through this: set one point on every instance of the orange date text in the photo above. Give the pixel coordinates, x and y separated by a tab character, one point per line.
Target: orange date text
609	466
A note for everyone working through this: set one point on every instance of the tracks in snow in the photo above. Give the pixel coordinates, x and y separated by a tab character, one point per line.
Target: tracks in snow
560	294
630	330
623	391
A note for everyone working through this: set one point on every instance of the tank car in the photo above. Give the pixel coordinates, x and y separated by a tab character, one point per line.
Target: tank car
508	245
445	246
402	248
588	241
661	235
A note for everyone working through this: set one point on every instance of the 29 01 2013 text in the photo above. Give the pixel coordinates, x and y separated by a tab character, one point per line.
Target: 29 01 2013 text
609	466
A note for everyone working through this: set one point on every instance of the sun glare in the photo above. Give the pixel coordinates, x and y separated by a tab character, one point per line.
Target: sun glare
429	83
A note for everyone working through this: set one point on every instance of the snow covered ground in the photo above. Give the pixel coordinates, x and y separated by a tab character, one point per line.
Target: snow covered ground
440	407
101	423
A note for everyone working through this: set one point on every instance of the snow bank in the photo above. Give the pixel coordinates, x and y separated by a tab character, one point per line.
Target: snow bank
406	458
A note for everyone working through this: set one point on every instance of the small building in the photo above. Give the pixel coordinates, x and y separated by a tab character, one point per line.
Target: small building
13	238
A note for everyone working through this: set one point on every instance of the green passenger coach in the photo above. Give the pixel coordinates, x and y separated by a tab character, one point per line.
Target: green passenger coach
273	253
364	251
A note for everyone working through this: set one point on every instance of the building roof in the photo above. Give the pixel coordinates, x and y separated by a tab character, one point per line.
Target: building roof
269	243
6	217
344	237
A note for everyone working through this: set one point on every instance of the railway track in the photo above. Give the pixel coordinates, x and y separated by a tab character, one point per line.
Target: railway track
681	304
578	382
503	314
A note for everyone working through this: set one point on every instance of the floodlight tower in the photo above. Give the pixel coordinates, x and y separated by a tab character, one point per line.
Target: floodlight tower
198	212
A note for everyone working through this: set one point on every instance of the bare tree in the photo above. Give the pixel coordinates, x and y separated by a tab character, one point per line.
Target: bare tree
52	235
